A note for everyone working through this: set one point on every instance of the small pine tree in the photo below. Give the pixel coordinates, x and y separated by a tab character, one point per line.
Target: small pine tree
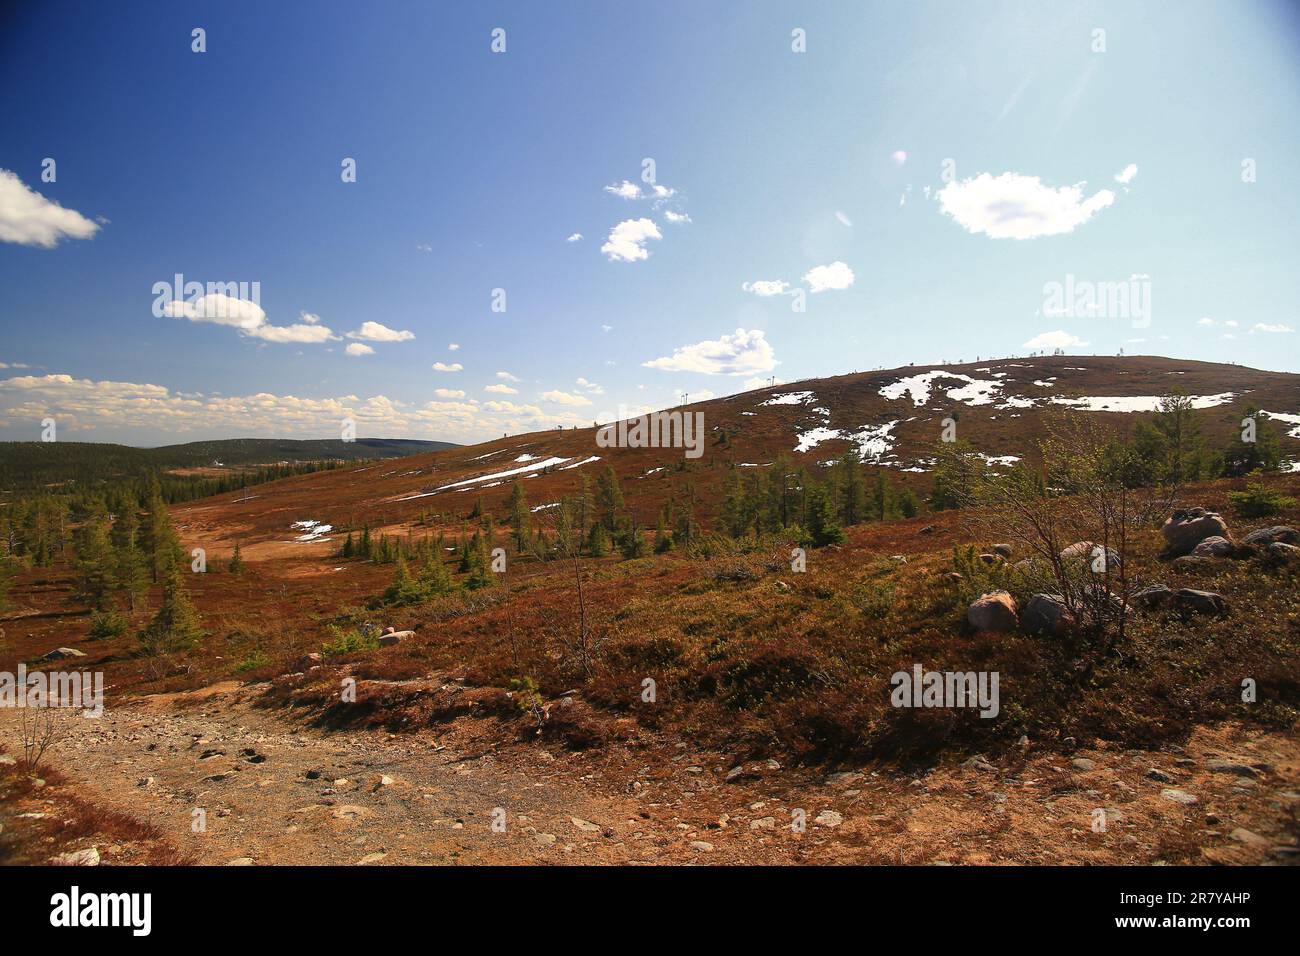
349	547
822	526
236	560
598	541
176	626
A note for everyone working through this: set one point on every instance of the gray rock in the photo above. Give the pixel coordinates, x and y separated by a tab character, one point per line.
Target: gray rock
1003	549
993	612
1083	763
1087	552
1278	533
702	845
1280	552
1178	796
1159	776
1047	614
59	653
1213	547
829	818
87	857
1155	596
1242	835
1188	527
1218	765
1193	601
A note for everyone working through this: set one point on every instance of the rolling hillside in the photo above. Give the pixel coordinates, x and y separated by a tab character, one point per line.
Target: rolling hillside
892	418
26	465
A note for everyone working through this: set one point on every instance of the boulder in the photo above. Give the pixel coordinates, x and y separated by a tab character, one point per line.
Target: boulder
993	612
1214	546
1003	549
1263	536
1155	596
1087	551
59	653
1047	614
1190	563
990	558
1200	602
1188	527
1282	553
391	637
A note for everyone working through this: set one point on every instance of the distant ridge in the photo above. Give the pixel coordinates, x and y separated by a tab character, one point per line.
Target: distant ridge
33	464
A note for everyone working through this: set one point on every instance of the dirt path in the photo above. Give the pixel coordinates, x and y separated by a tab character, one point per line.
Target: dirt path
275	792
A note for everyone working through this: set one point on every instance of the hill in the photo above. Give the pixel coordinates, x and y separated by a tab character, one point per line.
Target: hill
892	419
29	465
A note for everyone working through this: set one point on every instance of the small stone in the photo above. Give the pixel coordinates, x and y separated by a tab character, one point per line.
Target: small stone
1178	796
240	861
1083	763
702	845
829	818
586	826
88	857
544	839
371	858
1242	835
1159	776
763	823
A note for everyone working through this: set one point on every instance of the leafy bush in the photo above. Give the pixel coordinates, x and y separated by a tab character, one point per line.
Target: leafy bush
105	624
1257	501
347	641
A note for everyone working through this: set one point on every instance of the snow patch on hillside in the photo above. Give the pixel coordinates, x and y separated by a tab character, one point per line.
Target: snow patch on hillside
1290	420
976	391
1137	403
789	398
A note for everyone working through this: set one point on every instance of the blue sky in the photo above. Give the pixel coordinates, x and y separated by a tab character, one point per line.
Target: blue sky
912	181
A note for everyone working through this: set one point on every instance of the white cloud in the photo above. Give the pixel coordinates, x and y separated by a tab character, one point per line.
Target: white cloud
834	276
356	349
1059	339
625	190
899	157
1012	206
741	353
423	247
844	220
501	389
1205	320
627	240
766	287
375	332
607	328
85	406
676	217
565	398
248	317
590	386
1126	175
576	237
507	377
218	308
1273	327
453	347
448	393
752	383
29	219
663	192
302	334
444	367
1231	323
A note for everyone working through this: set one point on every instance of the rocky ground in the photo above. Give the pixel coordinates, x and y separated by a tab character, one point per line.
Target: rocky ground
276	792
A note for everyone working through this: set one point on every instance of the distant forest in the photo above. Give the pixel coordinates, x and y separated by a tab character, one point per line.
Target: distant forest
30	466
